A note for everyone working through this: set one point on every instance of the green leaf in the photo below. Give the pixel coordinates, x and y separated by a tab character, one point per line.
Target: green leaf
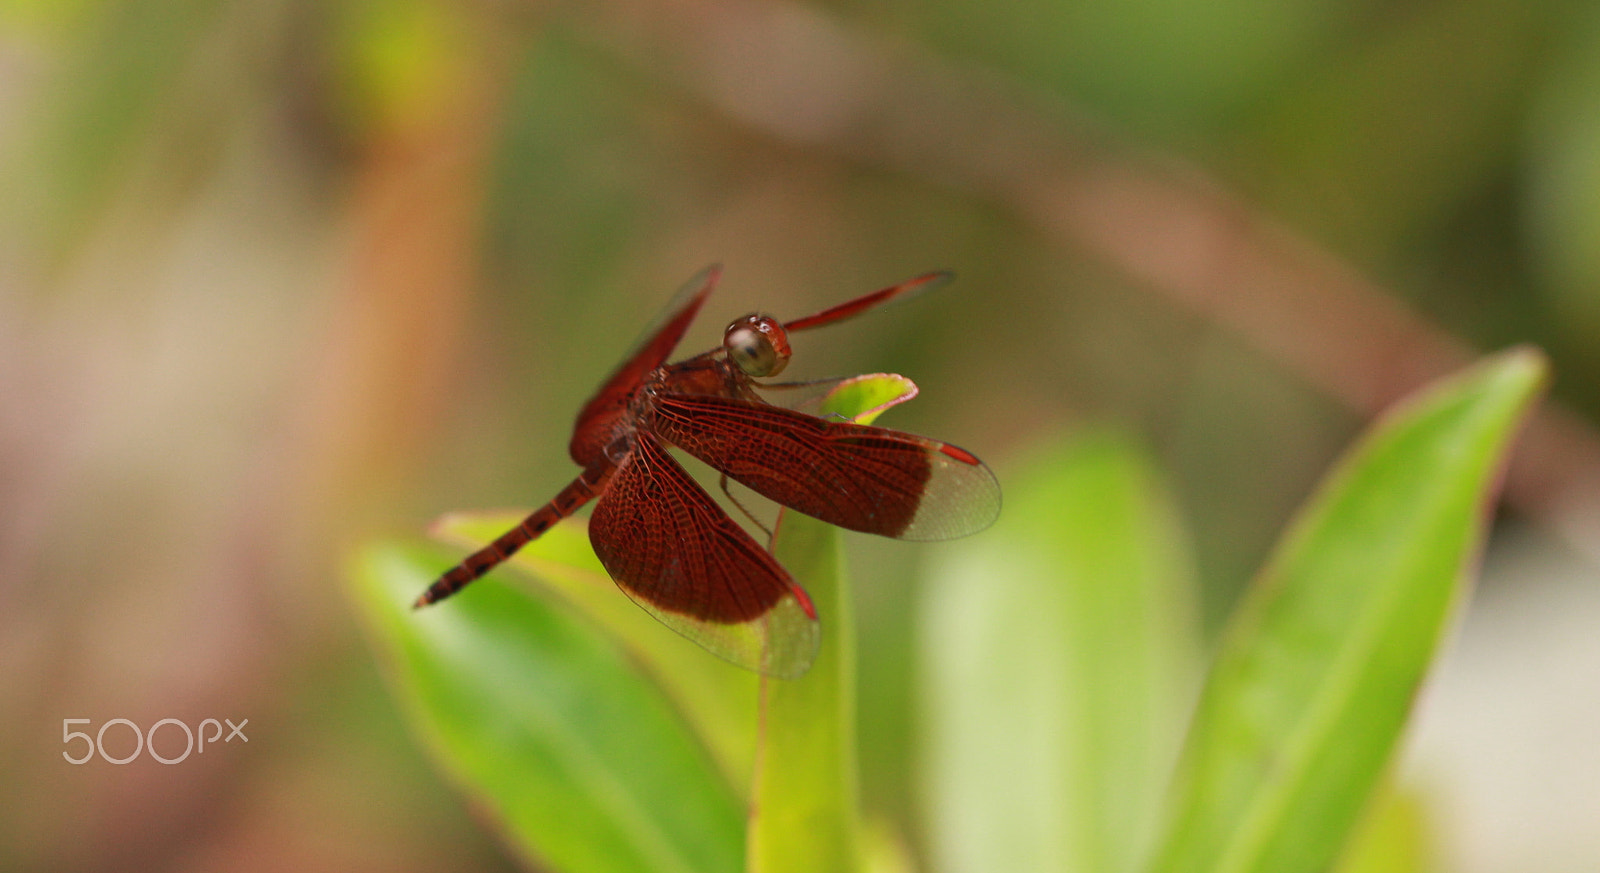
1058	647
864	398
1319	666
717	698
1393	837
806	802
548	723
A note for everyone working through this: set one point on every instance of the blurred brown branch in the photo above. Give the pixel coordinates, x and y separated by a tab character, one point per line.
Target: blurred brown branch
800	77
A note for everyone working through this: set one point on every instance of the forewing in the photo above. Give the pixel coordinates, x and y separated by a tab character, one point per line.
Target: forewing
850	309
673	550
863	478
598	418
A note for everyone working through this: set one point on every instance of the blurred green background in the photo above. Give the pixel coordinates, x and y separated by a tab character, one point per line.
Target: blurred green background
276	276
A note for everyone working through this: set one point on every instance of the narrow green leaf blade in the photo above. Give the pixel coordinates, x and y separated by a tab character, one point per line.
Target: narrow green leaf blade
805	806
1319	667
1059	648
546	721
715	697
805	810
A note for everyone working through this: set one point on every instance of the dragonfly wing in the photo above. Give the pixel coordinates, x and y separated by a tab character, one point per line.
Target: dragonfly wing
862	478
673	550
598	419
850	309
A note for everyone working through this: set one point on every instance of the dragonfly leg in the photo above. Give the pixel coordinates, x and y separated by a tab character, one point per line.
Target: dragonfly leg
723	481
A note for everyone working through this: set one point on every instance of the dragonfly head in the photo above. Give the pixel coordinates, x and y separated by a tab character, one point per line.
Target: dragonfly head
758	344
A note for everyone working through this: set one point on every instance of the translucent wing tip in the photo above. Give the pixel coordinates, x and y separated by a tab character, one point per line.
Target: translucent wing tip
961	497
782	642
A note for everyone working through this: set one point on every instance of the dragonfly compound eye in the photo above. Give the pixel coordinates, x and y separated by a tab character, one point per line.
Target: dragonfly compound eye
758	345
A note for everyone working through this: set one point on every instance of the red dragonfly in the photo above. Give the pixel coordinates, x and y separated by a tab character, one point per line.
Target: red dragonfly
672	548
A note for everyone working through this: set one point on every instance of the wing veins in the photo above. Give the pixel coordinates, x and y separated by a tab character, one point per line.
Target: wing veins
856	476
701	562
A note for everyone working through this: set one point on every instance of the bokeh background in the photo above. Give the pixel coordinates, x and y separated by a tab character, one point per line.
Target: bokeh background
278	275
